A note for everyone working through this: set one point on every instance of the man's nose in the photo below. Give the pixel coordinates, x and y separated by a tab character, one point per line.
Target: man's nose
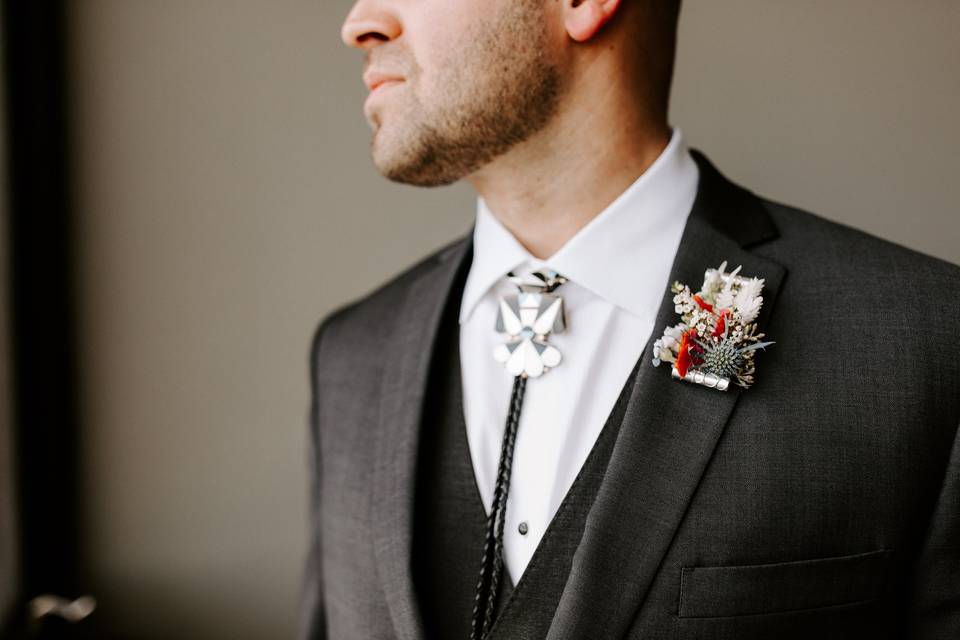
369	23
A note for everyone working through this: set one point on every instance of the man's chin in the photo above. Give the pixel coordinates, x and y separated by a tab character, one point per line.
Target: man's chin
415	176
398	162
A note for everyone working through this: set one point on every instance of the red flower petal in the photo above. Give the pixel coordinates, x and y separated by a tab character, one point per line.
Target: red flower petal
721	323
684	359
703	305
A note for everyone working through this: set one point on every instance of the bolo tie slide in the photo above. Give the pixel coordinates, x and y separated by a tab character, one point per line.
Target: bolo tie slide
528	318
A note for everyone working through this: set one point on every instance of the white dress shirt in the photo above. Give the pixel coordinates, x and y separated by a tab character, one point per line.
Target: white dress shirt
617	268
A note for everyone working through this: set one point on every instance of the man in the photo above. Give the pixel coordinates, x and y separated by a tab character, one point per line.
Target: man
494	453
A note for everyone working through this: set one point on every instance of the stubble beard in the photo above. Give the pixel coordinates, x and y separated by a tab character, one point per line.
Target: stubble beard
495	93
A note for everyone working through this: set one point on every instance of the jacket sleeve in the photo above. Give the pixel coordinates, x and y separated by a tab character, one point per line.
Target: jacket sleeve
935	599
312	610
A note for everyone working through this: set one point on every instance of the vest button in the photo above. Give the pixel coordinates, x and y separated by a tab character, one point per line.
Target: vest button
523	528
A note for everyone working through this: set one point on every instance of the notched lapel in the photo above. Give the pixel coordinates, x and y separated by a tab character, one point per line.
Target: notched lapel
407	356
668	434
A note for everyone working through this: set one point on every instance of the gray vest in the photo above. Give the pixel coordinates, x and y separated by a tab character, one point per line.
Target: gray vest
449	517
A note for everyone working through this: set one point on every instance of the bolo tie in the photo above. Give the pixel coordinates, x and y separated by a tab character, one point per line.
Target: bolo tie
528	317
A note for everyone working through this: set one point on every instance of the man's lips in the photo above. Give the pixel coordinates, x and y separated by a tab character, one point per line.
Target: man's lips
373	80
377	87
384	84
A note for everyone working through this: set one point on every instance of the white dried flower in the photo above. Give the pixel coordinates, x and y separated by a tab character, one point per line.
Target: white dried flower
751	288
724	299
749	308
676	331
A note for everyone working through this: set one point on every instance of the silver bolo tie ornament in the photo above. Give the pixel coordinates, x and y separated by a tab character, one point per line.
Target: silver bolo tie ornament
528	317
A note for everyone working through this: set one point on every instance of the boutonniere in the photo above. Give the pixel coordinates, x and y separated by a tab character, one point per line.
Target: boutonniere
716	340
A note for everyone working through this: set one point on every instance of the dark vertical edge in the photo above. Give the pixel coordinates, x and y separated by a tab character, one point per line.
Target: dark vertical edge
9	527
41	292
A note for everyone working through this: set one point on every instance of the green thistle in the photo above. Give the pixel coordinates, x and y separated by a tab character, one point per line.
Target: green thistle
722	359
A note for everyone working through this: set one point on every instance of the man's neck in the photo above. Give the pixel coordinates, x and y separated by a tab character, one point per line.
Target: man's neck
552	185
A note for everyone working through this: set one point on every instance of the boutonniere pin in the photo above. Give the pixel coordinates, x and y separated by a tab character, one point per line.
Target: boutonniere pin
716	340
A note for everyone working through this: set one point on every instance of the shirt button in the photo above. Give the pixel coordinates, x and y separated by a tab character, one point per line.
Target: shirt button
523	528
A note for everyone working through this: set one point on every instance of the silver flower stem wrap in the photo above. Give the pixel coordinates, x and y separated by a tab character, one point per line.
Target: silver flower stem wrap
703	379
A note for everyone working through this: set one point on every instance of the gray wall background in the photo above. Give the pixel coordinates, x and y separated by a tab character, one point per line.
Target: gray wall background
226	202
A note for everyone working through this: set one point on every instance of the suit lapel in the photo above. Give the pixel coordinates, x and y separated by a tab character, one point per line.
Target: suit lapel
408	355
668	435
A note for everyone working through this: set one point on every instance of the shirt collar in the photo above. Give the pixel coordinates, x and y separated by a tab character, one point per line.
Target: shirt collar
623	254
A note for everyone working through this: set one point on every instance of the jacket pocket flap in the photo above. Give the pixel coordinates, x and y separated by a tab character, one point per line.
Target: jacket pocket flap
736	590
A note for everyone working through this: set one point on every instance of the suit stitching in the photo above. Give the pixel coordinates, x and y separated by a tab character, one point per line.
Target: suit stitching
683	575
783	611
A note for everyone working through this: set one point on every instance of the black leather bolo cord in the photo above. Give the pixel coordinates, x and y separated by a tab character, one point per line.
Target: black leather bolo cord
491	568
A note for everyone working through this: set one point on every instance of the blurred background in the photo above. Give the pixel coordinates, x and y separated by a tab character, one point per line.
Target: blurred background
186	190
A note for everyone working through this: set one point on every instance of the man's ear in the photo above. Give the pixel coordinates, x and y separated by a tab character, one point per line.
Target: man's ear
583	18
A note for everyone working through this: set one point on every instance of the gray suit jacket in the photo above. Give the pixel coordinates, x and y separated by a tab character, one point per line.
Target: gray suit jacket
822	502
